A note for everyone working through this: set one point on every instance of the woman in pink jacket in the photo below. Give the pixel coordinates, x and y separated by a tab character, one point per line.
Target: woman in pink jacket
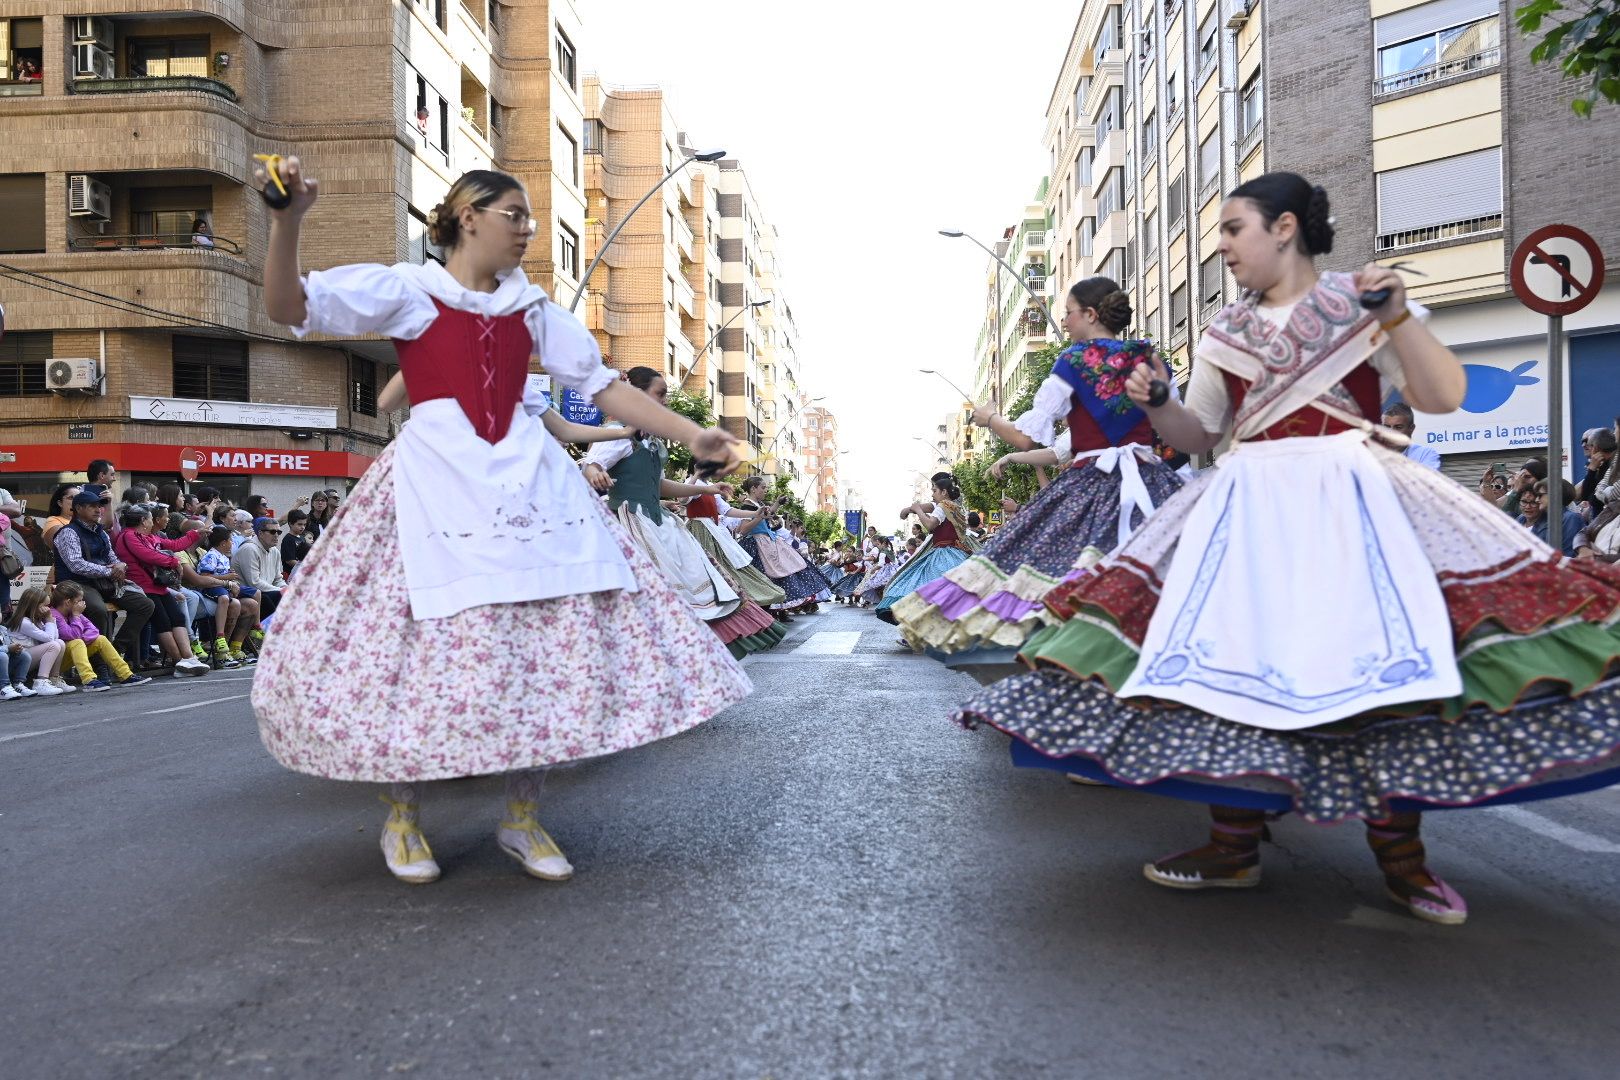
147	554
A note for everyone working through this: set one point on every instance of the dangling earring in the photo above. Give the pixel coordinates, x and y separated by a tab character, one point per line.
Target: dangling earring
1281	244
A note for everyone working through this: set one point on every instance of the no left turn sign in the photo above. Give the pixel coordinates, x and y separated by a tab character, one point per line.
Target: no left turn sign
1557	270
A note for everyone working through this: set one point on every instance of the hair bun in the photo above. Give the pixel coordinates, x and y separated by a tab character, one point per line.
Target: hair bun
1115	311
1318	223
443	228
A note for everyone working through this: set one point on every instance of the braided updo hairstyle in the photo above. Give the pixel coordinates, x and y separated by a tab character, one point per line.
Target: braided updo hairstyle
1103	294
480	187
946	482
1277	193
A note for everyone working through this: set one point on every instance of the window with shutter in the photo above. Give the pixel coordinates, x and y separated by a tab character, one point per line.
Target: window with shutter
1436	41
1209	164
1209	281
1177	198
210	368
1438	200
22	363
1178	309
362	386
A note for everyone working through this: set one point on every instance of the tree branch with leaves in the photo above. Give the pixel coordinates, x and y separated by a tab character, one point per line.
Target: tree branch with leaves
1583	40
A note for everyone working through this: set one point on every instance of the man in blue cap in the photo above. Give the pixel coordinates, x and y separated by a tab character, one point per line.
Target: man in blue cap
84	554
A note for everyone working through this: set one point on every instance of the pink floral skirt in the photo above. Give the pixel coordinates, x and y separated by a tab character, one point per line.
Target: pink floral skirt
350	687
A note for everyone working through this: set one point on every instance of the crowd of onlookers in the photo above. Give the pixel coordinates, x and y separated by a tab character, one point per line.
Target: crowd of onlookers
164	581
1590	519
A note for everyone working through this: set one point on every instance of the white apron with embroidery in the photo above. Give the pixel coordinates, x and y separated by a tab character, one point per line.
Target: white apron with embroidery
1298	594
480	523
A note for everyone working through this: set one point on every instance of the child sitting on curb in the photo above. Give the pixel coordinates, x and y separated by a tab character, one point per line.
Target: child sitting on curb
84	640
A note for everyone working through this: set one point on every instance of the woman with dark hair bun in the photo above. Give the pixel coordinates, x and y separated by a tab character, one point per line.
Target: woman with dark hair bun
980	611
948	545
1377	643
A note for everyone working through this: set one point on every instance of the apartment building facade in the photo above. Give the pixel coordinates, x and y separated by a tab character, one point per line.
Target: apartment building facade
1453	148
133	241
1439	144
758	373
819	454
653	298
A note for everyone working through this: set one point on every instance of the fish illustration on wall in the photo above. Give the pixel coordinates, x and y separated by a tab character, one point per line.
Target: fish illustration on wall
1490	387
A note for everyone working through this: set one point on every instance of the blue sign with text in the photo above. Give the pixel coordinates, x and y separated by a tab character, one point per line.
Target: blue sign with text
577	408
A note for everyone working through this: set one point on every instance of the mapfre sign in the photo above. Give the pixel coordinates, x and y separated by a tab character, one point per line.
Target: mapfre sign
259	461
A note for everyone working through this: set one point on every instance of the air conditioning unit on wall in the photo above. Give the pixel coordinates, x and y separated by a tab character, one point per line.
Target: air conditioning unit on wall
89	197
92	61
79	373
94	29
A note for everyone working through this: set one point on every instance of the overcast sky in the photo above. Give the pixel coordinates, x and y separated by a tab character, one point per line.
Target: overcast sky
864	129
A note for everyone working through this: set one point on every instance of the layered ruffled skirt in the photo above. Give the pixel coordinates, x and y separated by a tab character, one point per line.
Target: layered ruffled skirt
995	598
871	587
786	567
929	564
748	578
1331	628
350	687
845	586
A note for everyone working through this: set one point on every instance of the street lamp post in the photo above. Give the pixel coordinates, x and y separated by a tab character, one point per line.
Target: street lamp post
707	155
728	322
781	429
935	448
1056	329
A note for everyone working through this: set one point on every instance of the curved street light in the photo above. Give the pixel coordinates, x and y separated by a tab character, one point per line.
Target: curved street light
935	448
707	155
957	233
716	336
781	429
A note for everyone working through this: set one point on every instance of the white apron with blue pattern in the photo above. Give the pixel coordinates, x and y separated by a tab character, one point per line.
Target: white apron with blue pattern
1249	627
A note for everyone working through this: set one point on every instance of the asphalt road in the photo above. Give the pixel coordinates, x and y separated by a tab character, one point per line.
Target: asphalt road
829	880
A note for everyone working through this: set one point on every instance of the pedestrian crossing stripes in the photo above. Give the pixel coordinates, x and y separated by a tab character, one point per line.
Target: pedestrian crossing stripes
830	643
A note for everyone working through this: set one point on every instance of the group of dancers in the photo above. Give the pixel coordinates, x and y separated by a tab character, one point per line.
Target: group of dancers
1320	625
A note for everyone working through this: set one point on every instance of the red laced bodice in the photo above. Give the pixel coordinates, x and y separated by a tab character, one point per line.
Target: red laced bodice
482	362
1085	435
1362	384
703	506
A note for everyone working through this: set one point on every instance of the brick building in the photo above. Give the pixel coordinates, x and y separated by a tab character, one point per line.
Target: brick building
819	453
1439	144
121	128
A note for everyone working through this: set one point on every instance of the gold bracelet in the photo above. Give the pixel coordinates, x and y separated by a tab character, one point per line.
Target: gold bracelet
1396	321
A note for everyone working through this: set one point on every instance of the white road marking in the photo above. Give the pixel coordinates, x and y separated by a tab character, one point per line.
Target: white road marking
830	643
1564	834
111	719
57	730
196	705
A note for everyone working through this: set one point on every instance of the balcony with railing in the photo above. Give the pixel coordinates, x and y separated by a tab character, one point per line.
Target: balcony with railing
150	55
1433	74
685	241
1431	234
150	241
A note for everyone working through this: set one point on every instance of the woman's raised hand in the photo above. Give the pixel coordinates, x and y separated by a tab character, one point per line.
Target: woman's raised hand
1139	387
1000	464
982	415
303	190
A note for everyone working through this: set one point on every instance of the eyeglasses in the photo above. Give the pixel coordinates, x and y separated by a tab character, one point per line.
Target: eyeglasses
272	532
519	219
